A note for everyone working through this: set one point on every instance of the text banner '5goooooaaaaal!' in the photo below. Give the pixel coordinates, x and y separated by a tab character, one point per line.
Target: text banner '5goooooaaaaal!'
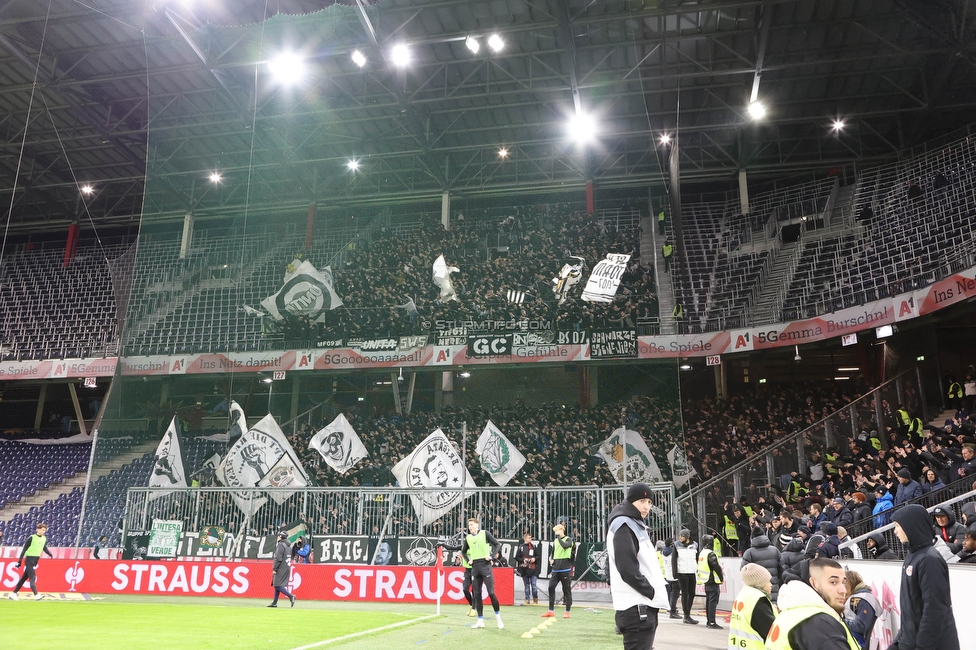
253	580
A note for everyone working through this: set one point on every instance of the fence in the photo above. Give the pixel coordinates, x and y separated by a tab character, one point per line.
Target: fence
392	512
804	452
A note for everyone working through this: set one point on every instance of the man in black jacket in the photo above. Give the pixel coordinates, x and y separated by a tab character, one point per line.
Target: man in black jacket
878	547
925	602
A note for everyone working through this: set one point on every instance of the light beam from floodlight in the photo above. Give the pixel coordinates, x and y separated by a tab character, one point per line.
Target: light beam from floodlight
503	153
400	55
287	67
87	189
358	58
472	44
838	126
757	110
582	128
496	43
352	165
665	138
215	177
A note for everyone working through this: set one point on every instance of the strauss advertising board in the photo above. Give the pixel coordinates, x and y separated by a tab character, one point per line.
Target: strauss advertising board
253	580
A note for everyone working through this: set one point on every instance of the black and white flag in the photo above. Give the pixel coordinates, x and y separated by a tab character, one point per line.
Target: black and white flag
168	470
605	278
339	445
261	457
436	466
307	292
568	276
682	471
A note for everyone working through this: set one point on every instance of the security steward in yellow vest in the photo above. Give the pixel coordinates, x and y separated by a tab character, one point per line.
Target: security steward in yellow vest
562	570
731	535
955	395
480	546
752	611
710	575
902	418
29	557
810	614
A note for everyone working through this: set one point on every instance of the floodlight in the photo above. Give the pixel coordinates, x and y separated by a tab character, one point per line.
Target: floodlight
496	43
358	58
266	380
352	165
87	189
472	44
838	125
582	128
884	331
685	366
400	55
287	67
465	375
503	153
665	138
215	177
757	110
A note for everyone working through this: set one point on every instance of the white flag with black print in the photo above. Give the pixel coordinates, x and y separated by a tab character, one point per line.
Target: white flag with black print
307	292
442	278
629	459
262	457
168	470
568	276
339	445
499	457
681	470
436	466
605	278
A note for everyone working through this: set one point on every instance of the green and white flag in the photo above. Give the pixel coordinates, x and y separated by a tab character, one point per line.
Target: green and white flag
629	459
681	470
499	457
164	538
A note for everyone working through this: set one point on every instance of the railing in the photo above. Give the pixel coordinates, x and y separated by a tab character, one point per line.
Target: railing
392	511
771	469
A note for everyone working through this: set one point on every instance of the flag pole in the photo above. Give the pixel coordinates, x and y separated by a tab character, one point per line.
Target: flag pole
440	576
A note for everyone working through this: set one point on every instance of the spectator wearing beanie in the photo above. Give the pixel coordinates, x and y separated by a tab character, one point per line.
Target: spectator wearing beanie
767	556
752	611
838	514
830	548
882	504
908	489
862	509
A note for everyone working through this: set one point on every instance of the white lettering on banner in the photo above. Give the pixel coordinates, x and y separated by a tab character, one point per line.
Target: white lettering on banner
158	574
384	584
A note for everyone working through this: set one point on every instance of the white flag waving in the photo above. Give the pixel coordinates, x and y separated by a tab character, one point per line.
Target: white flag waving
499	457
640	464
568	276
307	292
605	278
681	470
436	466
442	278
261	457
339	445
168	472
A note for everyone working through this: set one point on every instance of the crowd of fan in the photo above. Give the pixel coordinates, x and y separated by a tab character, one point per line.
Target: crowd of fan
387	288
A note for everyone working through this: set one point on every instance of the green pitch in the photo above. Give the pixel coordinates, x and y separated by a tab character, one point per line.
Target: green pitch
160	623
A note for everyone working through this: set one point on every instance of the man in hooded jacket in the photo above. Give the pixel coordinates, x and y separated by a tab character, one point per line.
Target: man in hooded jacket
765	555
637	585
281	570
801	570
925	601
947	528
878	547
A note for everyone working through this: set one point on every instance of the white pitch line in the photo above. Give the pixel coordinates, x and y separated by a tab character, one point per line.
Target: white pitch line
365	632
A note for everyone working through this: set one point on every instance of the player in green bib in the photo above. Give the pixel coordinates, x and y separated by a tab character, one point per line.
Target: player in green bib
561	571
479	547
33	547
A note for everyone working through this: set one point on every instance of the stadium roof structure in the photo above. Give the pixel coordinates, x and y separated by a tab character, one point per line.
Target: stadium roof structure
82	82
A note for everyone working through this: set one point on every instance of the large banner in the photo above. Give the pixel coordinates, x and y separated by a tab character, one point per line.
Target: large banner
605	278
306	292
252	580
339	445
499	457
436	466
629	459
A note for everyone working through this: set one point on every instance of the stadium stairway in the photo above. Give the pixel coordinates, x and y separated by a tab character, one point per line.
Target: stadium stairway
78	480
649	248
770	300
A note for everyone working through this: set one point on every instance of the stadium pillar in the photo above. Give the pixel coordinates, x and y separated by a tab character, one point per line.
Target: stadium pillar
310	227
446	210
296	389
447	389
720	380
40	406
187	238
78	412
743	192
589	197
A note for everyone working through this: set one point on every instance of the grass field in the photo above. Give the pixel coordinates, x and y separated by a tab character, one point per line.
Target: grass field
160	623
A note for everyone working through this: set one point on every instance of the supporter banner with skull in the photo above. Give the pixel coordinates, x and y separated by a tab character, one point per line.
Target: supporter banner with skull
168	471
499	457
262	457
307	292
339	445
629	459
436	466
605	278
